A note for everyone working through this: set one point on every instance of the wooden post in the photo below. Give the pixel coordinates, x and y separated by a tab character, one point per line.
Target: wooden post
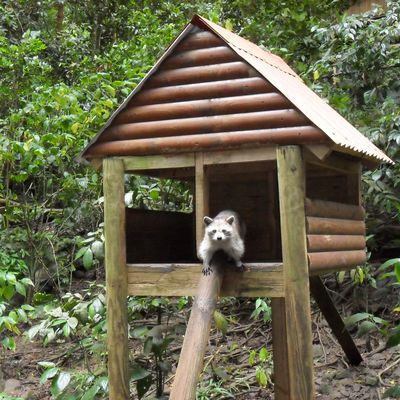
116	279
198	329
292	336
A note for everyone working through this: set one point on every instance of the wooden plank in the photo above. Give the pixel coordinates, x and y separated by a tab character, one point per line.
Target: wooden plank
336	162
297	311
321	151
333	226
279	335
202	187
265	153
259	280
334	320
167	161
198	329
196	337
331	209
116	279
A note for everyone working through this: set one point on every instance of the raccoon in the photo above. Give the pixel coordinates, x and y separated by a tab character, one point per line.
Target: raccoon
225	232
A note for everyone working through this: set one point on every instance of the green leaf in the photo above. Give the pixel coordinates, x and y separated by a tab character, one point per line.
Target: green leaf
392	392
139	373
264	354
143	385
60	382
48	374
88	259
20	288
91	393
9	343
393	340
8	292
262	377
365	327
81	252
252	357
221	322
353	319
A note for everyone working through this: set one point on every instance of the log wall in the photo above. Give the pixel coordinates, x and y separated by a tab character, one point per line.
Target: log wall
335	236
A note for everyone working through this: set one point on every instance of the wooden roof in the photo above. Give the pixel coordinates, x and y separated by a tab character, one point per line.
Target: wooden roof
212	89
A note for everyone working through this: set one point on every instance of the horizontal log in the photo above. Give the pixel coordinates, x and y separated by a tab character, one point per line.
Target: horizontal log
191	58
330	209
203	90
330	226
260	279
222	140
321	263
317	243
199	40
204	73
212	124
198	108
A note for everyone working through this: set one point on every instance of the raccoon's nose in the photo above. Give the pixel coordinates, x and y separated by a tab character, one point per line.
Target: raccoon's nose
219	237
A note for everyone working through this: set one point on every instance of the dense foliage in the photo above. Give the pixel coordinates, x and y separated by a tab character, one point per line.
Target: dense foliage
64	68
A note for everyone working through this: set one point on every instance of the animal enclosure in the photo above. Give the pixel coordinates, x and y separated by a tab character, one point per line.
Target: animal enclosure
241	127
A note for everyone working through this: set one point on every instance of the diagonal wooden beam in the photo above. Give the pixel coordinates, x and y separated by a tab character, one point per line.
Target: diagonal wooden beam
334	320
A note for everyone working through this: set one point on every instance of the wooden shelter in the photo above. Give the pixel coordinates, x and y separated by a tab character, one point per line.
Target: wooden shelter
240	125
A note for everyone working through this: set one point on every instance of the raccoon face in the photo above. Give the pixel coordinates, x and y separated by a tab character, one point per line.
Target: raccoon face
219	229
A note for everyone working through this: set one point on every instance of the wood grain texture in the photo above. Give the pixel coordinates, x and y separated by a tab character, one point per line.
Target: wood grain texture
332	226
291	182
166	161
116	279
196	337
198	329
280	351
320	243
331	209
334	320
325	262
259	280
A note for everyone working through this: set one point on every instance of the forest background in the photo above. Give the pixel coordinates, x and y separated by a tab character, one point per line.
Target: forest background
65	66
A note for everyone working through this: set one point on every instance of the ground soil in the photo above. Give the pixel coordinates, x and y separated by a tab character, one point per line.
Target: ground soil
227	360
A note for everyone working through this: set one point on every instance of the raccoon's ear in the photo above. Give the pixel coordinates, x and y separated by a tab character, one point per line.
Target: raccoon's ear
207	220
230	219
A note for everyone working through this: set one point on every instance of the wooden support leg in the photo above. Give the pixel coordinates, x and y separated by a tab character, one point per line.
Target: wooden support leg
116	279
294	312
198	329
279	333
334	320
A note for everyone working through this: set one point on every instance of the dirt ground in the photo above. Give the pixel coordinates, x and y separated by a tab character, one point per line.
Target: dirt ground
228	359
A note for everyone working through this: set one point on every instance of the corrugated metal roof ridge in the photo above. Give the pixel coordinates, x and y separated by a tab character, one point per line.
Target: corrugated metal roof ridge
245	45
291	86
166	53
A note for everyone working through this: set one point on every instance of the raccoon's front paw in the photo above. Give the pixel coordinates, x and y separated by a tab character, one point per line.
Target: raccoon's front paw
241	267
206	270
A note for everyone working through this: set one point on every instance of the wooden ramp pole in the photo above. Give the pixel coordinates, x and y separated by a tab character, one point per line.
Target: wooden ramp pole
116	279
334	320
291	315
196	337
198	329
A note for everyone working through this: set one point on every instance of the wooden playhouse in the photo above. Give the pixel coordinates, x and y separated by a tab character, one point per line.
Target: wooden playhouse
242	128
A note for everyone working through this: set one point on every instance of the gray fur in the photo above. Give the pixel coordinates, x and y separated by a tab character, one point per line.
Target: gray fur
224	232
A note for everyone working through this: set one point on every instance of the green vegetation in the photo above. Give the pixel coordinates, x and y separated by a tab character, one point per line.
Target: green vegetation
64	68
